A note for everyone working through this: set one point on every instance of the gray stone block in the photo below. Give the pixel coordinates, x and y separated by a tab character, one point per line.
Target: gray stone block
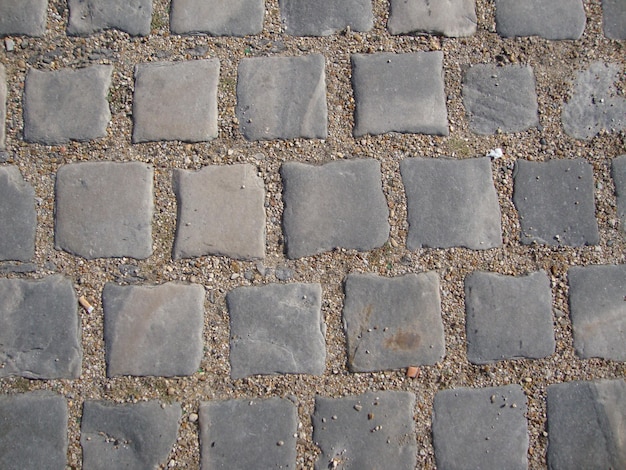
451	18
153	330
614	19
373	430
586	425
18	217
248	433
339	204
480	428
399	93
40	334
598	310
325	17
90	16
3	107
451	203
176	101
619	178
33	431
65	105
276	329
282	97
104	209
393	323
25	17
217	17
555	202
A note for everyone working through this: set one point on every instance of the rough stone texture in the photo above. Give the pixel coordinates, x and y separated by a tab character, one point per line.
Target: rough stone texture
276	329
176	101
33	431
619	178
90	16
399	93
40	334
555	202
597	297
248	433
27	17
217	17
3	107
153	330
451	203
104	209
451	18
508	317
614	18
65	105
282	97
325	17
587	424
220	212
137	435
500	98
550	19
373	430
18	217
393	323
340	204
480	428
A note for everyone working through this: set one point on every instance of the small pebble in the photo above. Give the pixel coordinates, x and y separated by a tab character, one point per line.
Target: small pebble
193	417
9	44
358	407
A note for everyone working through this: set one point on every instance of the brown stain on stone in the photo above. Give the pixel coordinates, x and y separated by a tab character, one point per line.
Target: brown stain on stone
403	341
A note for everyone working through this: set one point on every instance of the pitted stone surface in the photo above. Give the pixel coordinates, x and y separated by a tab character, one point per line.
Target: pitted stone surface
104	209
619	178
339	204
276	329
451	18
555	202
153	330
220	212
586	424
282	97
325	17
26	17
3	107
18	217
451	203
137	435
65	105
90	16
393	323
217	17
500	98
373	430
614	18
40	334
176	101
248	433
480	428
597	297
399	93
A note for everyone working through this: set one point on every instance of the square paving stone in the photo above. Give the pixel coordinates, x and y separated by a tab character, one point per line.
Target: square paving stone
373	430
282	97
104	209
39	329
26	17
500	98
325	17
276	329
619	178
217	17
3	107
248	433
65	105
451	18
339	204
508	317
33	431
220	212
176	101
90	16
480	428
614	18
586	425
393	323
597	298
451	203
18	217
153	330
399	93
555	202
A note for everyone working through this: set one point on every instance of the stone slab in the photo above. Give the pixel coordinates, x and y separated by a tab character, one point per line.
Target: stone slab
104	209
619	178
614	19
40	334
90	16
176	101
450	18
217	17
67	104
153	330
18	217
325	17
23	17
3	107
373	430
597	298
282	97
339	204
399	93
480	428
276	329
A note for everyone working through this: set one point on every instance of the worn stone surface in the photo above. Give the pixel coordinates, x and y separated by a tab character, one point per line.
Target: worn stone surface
339	204
619	178
217	17
40	334
89	16
18	217
3	107
23	17
399	93
451	18
325	17
614	18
